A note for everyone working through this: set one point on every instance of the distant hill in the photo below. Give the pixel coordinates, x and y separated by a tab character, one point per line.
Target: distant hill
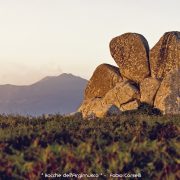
61	94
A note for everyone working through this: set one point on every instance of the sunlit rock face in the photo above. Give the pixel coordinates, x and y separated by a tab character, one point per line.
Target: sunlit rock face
103	79
168	95
131	51
165	55
148	90
96	107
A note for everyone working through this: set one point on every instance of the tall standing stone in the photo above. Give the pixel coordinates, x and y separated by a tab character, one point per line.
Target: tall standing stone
168	95
165	55
131	52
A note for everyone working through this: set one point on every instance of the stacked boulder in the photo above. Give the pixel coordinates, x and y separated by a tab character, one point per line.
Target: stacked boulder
142	76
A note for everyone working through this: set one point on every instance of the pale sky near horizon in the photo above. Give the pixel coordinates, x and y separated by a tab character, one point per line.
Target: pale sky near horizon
39	38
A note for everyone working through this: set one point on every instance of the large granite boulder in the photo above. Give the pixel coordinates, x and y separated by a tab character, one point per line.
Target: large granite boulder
168	96
148	90
122	93
131	52
103	79
165	55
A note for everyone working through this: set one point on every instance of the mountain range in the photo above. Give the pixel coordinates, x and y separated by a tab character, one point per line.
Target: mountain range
53	94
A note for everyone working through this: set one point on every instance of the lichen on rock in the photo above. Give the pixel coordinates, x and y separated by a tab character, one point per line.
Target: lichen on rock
131	53
103	79
165	55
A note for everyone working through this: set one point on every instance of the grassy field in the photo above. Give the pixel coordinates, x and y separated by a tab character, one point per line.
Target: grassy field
35	148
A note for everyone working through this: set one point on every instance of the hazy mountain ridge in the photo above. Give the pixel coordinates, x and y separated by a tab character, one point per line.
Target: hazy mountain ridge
62	94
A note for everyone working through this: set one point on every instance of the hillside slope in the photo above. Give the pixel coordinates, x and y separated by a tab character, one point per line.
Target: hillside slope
61	94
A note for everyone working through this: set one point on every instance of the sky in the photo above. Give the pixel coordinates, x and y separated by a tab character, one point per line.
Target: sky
41	38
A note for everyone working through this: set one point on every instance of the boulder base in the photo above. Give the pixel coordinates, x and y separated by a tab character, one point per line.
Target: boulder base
96	108
122	93
133	105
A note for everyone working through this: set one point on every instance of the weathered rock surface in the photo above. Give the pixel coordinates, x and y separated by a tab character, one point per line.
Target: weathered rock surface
122	93
96	108
133	105
90	106
168	95
108	110
131	53
148	90
165	55
134	85
103	79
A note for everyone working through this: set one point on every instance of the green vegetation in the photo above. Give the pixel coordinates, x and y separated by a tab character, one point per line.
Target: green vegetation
131	143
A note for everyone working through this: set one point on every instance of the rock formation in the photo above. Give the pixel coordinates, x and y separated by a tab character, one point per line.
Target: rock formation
140	79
